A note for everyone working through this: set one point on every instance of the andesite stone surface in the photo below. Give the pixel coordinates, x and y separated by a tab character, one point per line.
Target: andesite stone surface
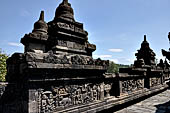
56	70
166	53
145	56
57	73
60	44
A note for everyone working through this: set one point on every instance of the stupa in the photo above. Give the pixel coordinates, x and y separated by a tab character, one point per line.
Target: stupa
56	70
61	44
166	53
145	55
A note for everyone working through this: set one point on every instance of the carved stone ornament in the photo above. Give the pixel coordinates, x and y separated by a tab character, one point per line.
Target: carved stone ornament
65	96
129	86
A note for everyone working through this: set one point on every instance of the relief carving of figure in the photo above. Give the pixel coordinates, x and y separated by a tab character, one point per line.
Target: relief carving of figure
65	96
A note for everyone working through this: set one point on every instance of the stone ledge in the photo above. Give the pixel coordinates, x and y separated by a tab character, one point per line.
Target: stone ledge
112	101
64	66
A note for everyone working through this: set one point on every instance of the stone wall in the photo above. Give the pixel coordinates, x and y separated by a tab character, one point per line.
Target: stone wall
57	73
79	95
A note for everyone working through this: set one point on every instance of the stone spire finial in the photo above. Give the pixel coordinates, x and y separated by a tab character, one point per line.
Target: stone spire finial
42	16
64	10
145	38
65	1
40	26
145	44
38	36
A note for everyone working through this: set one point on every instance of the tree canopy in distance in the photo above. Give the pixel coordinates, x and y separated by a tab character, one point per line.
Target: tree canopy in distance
3	70
114	68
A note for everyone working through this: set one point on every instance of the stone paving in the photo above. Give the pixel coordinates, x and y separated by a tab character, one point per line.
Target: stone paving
159	103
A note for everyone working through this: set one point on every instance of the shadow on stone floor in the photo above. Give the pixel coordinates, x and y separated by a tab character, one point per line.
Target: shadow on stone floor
163	108
122	106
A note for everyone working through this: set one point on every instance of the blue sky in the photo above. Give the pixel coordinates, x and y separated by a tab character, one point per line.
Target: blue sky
115	26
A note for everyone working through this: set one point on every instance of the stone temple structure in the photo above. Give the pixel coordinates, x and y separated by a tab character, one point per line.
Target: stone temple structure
56	69
57	73
61	44
166	53
145	56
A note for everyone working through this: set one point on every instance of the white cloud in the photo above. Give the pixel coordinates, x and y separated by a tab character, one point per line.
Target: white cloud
15	44
116	50
125	61
115	60
102	56
130	60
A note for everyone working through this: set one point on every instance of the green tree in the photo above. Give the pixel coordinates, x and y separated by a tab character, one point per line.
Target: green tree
113	68
3	71
123	66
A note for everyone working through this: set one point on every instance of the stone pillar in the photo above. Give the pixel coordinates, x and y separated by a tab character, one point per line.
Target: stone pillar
102	91
33	105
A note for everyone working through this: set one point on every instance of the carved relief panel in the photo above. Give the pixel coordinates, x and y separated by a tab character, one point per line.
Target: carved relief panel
129	86
58	98
155	81
2	90
70	27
